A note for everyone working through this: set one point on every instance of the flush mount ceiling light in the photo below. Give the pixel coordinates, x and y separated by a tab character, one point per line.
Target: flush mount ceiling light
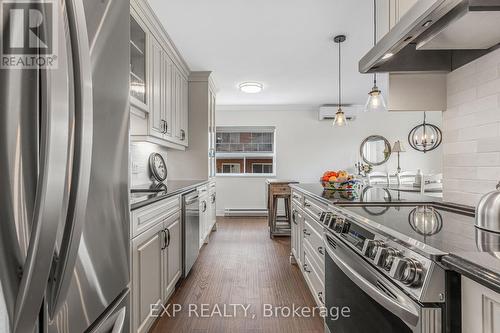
251	87
340	119
375	100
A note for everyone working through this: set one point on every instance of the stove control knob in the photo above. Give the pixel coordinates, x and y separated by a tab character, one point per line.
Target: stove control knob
338	224
385	257
407	270
371	247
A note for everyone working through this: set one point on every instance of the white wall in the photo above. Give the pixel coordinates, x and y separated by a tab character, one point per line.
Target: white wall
306	147
472	130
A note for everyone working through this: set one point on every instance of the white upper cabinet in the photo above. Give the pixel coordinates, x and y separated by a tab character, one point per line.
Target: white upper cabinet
159	81
138	54
389	12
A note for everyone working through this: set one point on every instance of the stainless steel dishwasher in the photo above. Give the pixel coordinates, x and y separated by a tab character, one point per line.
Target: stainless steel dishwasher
191	231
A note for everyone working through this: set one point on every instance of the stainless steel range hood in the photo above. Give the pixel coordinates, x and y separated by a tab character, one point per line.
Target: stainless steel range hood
437	35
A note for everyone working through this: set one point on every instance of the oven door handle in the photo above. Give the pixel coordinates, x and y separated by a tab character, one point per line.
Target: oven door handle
407	311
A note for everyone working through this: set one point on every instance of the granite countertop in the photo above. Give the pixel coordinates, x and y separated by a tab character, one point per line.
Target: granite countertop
173	187
467	250
368	195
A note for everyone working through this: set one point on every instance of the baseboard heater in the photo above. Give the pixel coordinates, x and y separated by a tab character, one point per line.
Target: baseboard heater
245	212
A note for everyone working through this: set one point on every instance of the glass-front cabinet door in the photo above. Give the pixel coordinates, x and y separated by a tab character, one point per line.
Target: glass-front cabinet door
137	63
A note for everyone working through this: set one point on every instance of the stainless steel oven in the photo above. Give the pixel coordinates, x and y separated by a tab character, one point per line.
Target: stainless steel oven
374	302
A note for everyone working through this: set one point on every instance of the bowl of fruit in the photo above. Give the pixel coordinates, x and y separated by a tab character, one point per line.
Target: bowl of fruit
339	181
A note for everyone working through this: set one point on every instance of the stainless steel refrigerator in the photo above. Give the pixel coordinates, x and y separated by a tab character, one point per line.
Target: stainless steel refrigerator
64	211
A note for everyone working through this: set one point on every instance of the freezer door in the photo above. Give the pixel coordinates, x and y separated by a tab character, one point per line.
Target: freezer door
100	273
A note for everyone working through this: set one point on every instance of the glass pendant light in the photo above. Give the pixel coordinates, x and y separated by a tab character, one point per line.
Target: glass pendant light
340	119
376	100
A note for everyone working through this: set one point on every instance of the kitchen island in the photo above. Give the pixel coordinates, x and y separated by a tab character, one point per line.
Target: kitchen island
415	241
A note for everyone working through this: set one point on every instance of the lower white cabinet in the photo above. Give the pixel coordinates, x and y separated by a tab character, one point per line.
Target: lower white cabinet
156	268
296	235
147	258
203	209
172	255
207	195
480	308
307	243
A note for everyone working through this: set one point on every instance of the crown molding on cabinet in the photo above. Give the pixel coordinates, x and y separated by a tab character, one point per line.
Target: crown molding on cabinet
144	10
203	76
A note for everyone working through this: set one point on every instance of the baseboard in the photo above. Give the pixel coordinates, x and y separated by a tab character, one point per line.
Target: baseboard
235	212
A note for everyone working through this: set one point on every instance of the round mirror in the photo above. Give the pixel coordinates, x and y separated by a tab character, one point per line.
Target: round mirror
375	150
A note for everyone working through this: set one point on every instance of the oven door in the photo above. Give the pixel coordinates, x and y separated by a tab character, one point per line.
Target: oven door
375	304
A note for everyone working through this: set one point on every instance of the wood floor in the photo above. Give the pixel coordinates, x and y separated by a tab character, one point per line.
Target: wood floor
241	265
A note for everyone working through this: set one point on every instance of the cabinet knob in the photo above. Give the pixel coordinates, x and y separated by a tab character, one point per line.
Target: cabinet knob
306	269
306	232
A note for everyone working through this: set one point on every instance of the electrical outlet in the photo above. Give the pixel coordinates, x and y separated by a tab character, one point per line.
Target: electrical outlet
135	167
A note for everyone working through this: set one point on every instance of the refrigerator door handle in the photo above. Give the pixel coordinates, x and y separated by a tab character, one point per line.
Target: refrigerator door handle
82	155
50	197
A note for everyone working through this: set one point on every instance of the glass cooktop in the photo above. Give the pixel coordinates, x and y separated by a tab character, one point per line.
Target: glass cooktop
434	225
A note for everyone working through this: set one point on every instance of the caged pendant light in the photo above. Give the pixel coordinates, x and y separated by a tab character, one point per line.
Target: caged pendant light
376	100
340	119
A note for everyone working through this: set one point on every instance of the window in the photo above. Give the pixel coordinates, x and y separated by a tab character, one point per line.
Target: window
231	168
245	151
262	168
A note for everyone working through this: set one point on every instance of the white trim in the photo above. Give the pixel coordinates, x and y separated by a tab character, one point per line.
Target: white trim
269	107
250	129
247	175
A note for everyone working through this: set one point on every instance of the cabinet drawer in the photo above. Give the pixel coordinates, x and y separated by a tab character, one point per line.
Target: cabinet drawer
313	208
202	190
314	224
298	199
314	281
314	242
146	217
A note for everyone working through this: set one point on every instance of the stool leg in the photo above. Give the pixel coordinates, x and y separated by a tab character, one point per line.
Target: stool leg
274	216
287	211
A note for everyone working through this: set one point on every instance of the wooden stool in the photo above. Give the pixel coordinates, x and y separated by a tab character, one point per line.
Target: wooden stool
279	225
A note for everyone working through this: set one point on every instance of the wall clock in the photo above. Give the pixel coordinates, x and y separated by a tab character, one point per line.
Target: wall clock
158	167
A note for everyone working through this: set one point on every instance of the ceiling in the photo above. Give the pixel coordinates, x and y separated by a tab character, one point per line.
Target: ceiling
284	44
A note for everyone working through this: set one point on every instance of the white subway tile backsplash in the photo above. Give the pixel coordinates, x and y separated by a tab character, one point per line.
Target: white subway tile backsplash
460	173
479	105
459	147
488	173
471	131
489	88
478	132
488	145
462	97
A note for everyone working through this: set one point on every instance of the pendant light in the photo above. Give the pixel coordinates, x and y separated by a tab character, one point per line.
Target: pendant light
340	119
375	99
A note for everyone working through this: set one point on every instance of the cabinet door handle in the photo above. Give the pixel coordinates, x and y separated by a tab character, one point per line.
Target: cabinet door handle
164	236
307	204
295	196
320	297
306	233
321	250
168	237
183	135
307	270
166	126
204	206
213	198
294	218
